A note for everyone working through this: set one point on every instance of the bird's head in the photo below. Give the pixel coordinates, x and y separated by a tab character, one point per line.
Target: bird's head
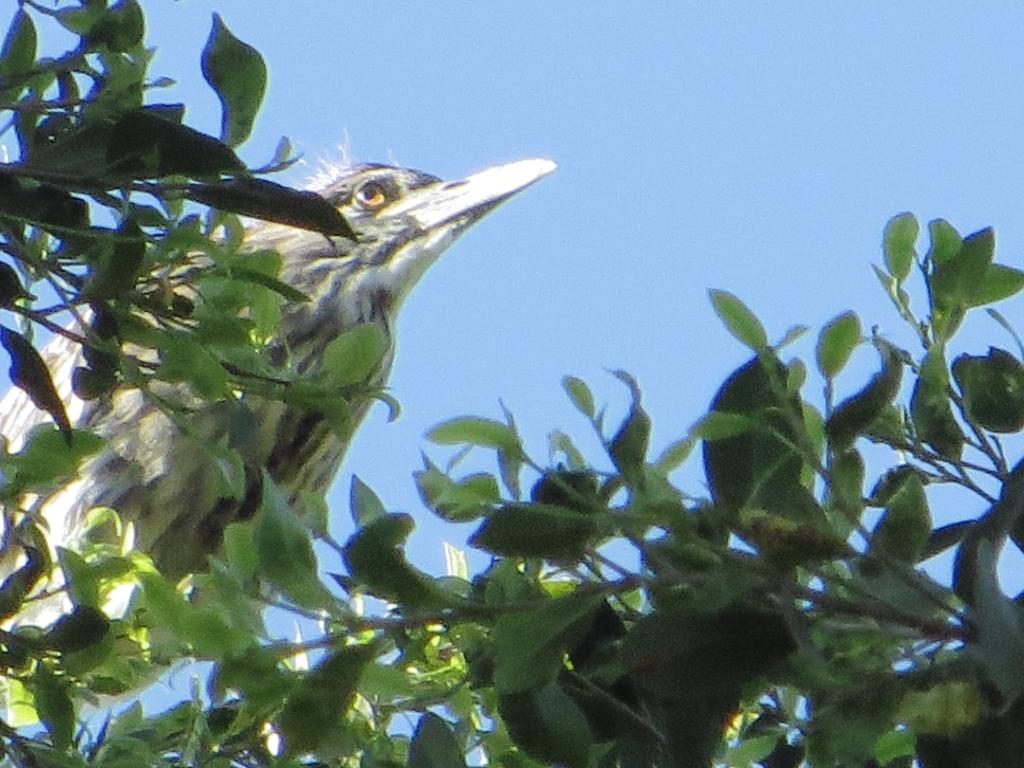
403	220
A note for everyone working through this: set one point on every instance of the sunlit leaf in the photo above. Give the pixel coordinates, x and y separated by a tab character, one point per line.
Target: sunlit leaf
898	245
836	343
739	320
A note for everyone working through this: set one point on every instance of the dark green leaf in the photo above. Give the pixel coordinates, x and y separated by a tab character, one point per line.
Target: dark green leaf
143	143
236	72
29	373
855	414
548	726
628	447
529	646
285	553
757	465
946	536
898	245
691	653
121	28
376	560
269	201
846	481
904	528
739	320
10	286
930	407
836	343
993	389
536	530
433	745
53	702
84	626
117	262
41	204
18	53
17	585
313	712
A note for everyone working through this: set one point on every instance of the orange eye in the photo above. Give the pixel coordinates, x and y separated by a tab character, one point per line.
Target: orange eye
371	195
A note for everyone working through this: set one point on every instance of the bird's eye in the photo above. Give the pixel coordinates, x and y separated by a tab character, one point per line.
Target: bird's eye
371	195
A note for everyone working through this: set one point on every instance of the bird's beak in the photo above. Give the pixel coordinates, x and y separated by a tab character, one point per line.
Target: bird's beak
454	205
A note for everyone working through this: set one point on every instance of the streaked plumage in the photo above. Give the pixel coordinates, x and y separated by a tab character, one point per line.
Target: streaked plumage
156	475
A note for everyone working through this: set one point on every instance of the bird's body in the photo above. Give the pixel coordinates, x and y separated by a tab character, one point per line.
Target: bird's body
157	470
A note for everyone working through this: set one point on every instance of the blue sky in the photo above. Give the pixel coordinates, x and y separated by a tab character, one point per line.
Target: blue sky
757	147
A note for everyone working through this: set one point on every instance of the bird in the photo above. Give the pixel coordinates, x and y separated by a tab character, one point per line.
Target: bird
151	468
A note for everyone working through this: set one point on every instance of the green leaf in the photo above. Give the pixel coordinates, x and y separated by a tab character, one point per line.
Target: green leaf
580	395
930	407
993	389
456	501
955	284
904	528
628	447
240	550
474	430
674	454
18	53
836	343
270	282
47	456
285	553
739	320
29	373
1000	282
53	702
145	143
536	530
121	28
270	201
433	745
898	245
184	358
117	262
352	357
719	426
313	712
548	726
853	416
75	631
80	578
752	460
238	75
694	653
530	646
374	556
945	242
365	504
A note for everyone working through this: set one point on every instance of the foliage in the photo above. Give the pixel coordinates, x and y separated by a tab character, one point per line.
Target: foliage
783	619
